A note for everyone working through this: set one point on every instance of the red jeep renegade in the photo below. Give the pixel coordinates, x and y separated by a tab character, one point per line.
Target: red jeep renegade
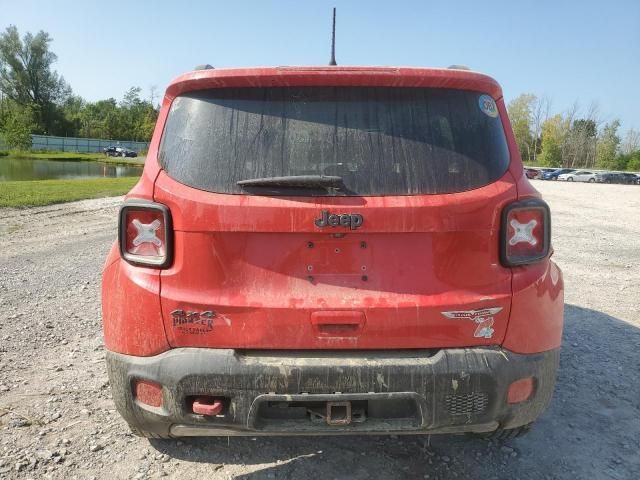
321	250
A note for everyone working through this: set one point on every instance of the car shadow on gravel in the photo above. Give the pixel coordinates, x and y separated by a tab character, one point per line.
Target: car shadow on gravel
591	430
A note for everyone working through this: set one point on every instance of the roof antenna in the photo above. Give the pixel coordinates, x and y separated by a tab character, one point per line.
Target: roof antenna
333	40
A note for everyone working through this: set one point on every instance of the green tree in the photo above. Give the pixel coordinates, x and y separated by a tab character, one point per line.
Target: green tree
99	119
553	136
628	161
633	163
631	142
18	122
131	98
148	124
579	146
520	114
137	116
607	146
40	100
28	79
73	115
586	126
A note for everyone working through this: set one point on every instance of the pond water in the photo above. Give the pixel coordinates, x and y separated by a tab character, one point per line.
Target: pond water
42	169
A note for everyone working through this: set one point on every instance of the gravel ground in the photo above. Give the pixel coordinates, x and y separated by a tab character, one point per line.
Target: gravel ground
57	419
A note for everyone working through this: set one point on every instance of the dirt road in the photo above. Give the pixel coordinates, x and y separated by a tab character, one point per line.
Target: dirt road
57	419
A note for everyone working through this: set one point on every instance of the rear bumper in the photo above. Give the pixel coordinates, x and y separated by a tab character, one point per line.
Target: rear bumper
271	393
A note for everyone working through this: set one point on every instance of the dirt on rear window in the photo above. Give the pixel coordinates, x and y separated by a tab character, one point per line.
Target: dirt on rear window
380	141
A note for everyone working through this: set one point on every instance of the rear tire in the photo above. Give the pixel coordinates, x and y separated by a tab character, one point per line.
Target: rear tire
144	434
505	434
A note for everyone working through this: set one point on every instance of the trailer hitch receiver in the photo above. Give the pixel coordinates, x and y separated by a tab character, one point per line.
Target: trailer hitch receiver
338	413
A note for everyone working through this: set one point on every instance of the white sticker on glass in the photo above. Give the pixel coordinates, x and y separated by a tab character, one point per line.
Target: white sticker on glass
488	106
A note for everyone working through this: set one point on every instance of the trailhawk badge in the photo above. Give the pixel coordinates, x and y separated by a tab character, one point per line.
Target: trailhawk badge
483	318
193	322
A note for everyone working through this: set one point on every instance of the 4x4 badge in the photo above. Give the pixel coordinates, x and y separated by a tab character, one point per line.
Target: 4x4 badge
351	220
482	317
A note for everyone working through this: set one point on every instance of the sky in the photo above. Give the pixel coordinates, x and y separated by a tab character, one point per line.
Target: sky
569	51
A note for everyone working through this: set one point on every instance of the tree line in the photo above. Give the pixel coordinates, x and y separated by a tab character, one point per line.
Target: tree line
572	139
35	99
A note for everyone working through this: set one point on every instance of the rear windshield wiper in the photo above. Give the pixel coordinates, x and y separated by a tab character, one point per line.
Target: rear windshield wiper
304	181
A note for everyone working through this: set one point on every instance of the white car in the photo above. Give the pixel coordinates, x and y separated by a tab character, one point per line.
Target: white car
579	176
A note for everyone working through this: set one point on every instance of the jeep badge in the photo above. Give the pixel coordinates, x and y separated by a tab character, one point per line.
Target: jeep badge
351	220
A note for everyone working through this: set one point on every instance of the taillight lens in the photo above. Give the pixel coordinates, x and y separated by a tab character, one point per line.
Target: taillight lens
526	232
145	234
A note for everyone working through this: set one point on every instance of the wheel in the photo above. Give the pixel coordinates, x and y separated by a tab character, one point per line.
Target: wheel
510	433
570	179
144	434
503	435
554	178
123	154
592	180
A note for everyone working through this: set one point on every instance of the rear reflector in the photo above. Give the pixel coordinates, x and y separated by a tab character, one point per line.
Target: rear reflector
149	393
520	390
145	234
526	232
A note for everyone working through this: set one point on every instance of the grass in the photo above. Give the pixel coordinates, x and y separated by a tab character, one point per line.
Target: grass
72	156
47	192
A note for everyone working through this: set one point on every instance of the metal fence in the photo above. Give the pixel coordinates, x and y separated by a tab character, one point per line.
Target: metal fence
75	144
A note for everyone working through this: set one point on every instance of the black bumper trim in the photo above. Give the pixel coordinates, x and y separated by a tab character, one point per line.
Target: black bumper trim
423	379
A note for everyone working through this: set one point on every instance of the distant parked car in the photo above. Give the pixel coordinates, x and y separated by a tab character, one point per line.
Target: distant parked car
579	176
531	173
630	178
617	177
556	173
114	151
609	177
543	171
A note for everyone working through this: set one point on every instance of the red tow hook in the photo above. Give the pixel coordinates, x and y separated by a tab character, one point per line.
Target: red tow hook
209	406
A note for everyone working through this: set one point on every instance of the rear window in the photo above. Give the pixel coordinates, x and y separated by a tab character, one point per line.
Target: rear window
381	141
